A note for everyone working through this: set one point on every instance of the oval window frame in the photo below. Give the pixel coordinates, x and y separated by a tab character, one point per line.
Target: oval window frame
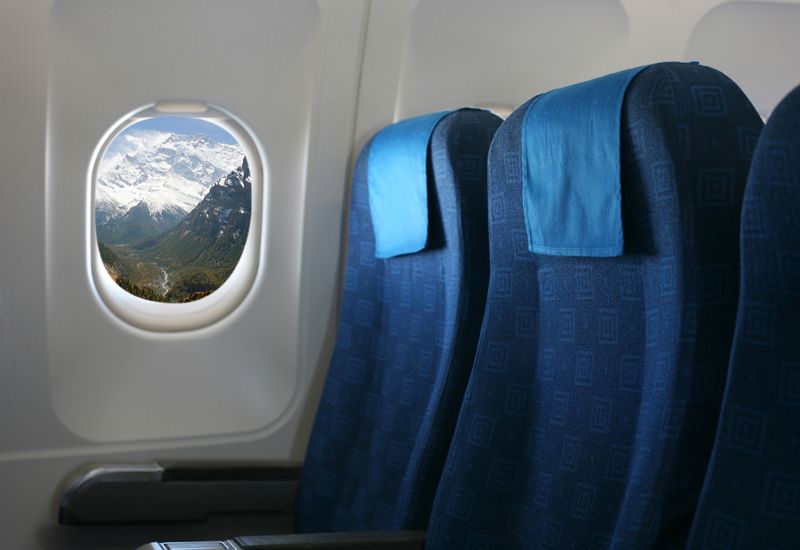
180	317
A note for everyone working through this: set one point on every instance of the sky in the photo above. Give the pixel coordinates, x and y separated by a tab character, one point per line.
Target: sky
167	125
184	125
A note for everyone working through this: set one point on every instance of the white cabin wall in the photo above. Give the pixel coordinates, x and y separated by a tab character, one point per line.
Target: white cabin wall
23	78
23	92
426	55
755	43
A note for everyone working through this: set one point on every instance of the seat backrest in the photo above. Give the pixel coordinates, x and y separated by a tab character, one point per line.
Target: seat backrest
590	411
751	496
405	345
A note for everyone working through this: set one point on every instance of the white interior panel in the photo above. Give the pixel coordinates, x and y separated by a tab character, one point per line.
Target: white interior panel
242	374
756	44
106	60
473	52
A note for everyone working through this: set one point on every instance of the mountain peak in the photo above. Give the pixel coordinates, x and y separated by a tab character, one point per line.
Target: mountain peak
169	172
189	138
237	178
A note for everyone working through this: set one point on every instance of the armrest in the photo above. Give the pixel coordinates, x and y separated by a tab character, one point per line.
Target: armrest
174	493
356	540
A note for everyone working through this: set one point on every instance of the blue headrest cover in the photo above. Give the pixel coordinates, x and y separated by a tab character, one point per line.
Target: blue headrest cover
397	180
571	187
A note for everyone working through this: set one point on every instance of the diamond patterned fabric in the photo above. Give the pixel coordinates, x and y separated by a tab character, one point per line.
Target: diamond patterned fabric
751	497
590	413
405	347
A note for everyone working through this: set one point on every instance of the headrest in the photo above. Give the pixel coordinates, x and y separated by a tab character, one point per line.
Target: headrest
397	182
572	198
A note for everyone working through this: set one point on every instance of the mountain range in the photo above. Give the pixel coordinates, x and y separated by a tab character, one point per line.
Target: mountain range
153	179
172	217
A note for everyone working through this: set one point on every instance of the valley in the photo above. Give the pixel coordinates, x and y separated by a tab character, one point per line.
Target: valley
175	251
161	279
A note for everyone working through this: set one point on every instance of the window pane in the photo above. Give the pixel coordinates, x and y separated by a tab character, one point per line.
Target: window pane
172	208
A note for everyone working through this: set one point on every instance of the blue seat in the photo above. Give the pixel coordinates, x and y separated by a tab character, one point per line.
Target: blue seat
405	345
751	495
590	412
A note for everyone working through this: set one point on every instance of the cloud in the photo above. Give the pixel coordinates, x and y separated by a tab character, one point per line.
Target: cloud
130	142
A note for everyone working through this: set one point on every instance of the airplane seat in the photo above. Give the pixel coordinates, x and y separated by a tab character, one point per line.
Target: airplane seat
407	331
589	415
415	286
751	495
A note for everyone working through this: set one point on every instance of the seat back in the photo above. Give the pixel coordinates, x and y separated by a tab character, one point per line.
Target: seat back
751	496
590	411
405	345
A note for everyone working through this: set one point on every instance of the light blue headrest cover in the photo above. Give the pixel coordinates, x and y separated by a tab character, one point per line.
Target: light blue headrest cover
397	181
571	188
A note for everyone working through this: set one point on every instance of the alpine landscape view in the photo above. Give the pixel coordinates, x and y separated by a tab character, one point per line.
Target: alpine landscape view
172	208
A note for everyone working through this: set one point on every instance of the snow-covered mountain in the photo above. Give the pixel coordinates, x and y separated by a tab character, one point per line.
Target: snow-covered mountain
214	232
195	256
156	178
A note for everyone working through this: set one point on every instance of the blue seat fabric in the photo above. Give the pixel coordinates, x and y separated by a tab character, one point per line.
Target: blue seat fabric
405	346
589	416
751	496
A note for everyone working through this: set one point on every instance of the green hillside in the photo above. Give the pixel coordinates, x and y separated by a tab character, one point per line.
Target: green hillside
193	258
136	225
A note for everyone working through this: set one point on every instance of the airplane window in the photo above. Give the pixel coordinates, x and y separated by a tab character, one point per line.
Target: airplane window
172	207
